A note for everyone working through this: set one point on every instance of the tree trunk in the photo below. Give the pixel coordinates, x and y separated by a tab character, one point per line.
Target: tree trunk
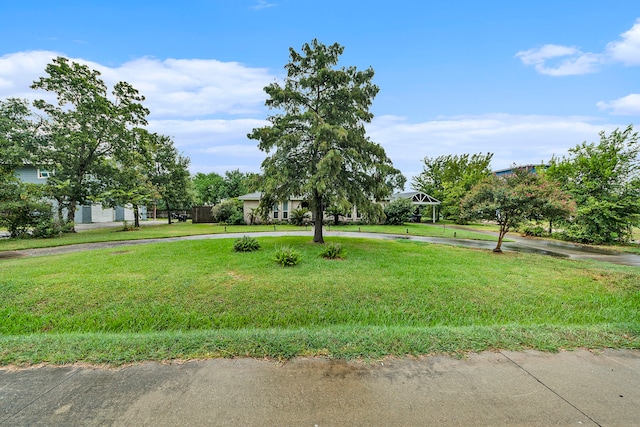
550	227
136	216
317	228
71	213
501	234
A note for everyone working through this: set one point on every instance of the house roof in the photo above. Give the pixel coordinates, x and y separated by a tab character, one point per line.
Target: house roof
257	195
417	198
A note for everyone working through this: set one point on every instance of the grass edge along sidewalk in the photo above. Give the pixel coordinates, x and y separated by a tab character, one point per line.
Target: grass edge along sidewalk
364	343
204	300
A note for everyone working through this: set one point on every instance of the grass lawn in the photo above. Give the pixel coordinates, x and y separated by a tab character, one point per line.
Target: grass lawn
145	232
189	229
195	299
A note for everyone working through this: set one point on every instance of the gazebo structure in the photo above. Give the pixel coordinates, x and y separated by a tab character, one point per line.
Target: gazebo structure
419	198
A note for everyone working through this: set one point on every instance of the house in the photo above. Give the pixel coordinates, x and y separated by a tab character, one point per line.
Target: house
85	214
281	210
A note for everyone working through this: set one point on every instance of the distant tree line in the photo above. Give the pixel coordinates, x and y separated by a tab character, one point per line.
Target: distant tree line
592	195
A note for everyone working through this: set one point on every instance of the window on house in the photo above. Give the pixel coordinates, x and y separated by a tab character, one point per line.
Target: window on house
358	214
275	211
285	210
44	174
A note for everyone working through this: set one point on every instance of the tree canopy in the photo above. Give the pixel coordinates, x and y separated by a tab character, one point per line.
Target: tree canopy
450	177
316	143
510	200
86	127
604	179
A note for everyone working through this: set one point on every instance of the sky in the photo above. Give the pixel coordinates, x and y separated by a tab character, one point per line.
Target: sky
522	80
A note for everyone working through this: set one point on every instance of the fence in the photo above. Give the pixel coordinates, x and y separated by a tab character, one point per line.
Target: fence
201	214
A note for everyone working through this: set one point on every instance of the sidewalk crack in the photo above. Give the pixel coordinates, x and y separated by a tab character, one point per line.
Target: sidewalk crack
35	399
551	390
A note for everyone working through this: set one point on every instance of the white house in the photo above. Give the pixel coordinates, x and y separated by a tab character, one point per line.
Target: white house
281	210
85	214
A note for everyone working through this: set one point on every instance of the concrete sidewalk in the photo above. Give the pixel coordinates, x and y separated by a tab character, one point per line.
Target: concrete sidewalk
489	389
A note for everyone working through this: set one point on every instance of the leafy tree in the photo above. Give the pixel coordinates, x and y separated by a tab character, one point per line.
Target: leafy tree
235	184
604	180
336	211
509	201
17	135
86	127
228	211
300	216
449	178
209	188
128	182
23	211
170	174
398	211
317	143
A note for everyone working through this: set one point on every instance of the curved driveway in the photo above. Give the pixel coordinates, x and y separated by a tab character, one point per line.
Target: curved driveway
519	244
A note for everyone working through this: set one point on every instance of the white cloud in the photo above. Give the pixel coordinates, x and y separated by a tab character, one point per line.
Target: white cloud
626	106
627	50
173	87
556	60
520	139
201	134
19	70
263	4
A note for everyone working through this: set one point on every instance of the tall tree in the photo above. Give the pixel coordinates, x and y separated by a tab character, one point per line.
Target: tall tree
128	180
449	178
209	188
22	210
170	175
604	180
511	200
235	184
316	144
86	127
17	135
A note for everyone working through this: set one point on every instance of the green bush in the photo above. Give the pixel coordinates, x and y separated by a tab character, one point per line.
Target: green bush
287	256
300	216
332	251
398	211
534	230
228	212
246	244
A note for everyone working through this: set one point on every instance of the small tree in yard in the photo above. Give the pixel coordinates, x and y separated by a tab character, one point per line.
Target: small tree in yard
317	143
510	200
336	211
228	211
300	216
398	211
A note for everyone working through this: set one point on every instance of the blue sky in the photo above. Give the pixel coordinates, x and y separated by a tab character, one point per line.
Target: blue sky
523	80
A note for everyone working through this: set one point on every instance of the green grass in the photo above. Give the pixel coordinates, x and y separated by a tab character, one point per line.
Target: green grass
189	229
428	230
146	232
196	299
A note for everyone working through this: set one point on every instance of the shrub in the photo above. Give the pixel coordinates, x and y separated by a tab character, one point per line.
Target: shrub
332	251
287	256
228	211
300	216
246	244
534	230
398	211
